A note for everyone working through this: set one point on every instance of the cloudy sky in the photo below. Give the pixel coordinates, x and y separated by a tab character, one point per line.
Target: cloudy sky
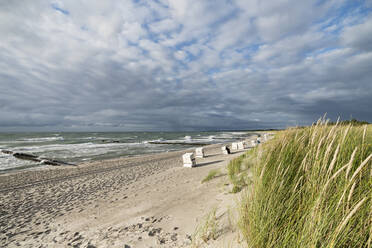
183	64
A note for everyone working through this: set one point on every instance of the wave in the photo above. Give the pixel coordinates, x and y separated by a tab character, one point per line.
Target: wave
8	162
106	138
71	151
43	139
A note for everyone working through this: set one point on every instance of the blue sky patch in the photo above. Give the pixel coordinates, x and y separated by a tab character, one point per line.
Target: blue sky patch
63	11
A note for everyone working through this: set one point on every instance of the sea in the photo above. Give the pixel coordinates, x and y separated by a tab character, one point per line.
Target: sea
77	147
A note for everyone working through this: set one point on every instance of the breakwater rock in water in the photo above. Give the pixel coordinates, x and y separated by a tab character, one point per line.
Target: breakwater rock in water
30	157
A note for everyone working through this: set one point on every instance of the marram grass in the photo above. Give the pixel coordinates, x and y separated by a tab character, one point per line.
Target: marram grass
312	187
212	174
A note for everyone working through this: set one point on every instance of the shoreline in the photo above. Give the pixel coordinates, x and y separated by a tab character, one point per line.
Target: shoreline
16	178
43	207
32	151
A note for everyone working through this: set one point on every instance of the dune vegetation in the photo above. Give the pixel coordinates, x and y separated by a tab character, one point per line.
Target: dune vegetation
309	187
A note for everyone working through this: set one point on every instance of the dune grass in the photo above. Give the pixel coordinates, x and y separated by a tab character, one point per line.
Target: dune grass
312	187
237	172
207	230
211	174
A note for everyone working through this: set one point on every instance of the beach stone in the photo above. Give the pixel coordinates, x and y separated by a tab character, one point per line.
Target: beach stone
174	237
187	240
77	245
154	231
161	240
58	239
77	238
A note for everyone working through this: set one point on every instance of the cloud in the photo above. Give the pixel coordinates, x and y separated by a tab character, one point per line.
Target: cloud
163	26
358	36
182	65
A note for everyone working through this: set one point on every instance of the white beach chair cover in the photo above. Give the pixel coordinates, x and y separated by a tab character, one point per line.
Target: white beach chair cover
199	152
188	159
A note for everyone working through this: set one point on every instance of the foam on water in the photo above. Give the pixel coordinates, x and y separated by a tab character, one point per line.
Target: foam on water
43	139
9	162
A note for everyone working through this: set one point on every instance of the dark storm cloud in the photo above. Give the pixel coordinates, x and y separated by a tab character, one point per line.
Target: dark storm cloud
177	65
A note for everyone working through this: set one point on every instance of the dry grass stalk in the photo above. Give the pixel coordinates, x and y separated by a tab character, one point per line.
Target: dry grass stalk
345	133
334	176
350	195
345	221
350	163
332	130
277	170
361	167
303	163
319	145
333	160
263	170
341	198
363	139
298	182
313	136
370	230
327	153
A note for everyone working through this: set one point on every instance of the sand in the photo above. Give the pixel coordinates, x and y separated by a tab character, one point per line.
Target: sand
144	201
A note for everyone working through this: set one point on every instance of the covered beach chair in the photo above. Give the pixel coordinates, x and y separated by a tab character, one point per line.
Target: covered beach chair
234	146
241	145
225	150
199	152
188	160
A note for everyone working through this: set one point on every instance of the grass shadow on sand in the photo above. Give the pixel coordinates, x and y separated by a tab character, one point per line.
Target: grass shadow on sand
208	163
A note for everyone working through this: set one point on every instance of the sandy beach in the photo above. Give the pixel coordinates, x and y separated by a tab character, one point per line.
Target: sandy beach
144	201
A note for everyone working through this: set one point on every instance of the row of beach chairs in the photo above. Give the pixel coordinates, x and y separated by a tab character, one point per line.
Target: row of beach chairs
190	161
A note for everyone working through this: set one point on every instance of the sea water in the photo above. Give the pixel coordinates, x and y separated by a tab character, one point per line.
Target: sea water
89	146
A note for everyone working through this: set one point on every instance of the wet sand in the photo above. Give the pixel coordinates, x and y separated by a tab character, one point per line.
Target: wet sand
145	201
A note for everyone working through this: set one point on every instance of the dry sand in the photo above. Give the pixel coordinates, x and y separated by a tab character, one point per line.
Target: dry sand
145	201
